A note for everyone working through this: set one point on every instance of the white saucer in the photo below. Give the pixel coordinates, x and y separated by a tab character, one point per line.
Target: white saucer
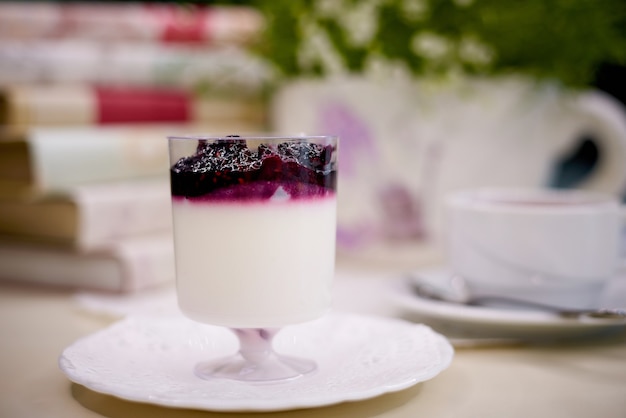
471	322
151	360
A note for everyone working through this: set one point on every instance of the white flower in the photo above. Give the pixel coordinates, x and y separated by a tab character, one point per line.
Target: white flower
317	48
379	67
361	22
414	10
430	45
330	8
473	51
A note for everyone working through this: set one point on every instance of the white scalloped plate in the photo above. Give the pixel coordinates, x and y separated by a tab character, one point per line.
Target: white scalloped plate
459	321
151	360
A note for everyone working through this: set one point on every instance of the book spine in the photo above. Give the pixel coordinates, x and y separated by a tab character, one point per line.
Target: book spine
39	105
59	268
113	211
219	70
65	157
146	263
60	158
166	23
126	266
90	217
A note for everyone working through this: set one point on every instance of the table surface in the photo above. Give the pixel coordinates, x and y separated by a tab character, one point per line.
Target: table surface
586	379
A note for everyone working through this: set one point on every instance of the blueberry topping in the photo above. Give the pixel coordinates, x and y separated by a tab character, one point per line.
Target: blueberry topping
226	169
313	156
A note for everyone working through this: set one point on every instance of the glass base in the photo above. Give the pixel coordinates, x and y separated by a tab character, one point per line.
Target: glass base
256	361
275	368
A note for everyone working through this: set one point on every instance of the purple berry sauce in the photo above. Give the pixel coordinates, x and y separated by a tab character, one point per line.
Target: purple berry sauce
227	170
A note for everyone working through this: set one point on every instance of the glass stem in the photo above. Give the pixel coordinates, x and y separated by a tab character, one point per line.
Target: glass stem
255	344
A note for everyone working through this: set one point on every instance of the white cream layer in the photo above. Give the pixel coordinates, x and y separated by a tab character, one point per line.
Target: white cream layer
255	264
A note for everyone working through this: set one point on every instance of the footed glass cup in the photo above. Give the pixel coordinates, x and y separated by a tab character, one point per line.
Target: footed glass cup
254	238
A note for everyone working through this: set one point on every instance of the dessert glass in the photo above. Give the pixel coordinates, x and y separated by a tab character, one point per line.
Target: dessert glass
254	238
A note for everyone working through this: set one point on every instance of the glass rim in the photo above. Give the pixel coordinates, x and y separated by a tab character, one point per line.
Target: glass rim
254	137
531	200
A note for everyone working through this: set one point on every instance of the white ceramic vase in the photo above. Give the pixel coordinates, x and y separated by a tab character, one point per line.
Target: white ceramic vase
405	144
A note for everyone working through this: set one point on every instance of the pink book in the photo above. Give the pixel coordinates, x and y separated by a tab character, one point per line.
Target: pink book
84	104
200	24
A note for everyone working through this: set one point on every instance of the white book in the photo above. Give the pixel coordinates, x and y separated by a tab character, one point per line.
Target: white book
125	266
90	216
49	160
226	70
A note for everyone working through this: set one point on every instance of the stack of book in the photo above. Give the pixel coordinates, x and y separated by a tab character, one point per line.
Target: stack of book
88	93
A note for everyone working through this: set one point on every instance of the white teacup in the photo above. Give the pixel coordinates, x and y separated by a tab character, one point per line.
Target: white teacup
558	247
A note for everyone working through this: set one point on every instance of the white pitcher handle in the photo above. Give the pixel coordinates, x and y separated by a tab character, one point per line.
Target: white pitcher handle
606	121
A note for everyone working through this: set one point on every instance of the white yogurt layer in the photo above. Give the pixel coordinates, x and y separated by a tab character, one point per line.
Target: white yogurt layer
255	264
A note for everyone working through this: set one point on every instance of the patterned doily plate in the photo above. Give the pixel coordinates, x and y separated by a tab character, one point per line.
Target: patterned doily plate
151	359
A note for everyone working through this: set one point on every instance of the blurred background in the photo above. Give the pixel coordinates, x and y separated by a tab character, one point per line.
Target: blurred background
428	96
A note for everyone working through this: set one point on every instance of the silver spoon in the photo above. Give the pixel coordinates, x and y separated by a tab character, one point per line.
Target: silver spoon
459	294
